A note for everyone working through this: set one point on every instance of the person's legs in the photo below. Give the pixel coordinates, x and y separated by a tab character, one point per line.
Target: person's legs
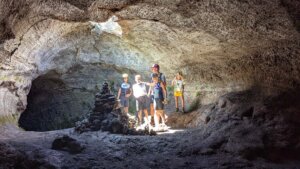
126	110
123	104
157	118
159	111
162	116
146	116
140	117
126	105
182	102
176	103
152	110
143	105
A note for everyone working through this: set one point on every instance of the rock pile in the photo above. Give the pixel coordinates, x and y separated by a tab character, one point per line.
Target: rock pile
105	115
108	116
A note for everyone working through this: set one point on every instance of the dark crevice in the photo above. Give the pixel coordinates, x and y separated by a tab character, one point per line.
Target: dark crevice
52	104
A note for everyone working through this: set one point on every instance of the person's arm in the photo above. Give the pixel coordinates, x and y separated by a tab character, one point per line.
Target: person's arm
164	90
183	83
149	91
119	93
164	80
173	81
130	92
164	84
148	84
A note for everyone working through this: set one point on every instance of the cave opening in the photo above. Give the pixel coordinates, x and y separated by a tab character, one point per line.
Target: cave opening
53	104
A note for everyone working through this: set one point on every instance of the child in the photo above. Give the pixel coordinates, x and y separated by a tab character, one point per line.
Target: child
178	84
124	93
140	93
159	93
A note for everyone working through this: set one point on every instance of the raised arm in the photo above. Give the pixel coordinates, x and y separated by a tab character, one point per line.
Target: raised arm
148	84
173	81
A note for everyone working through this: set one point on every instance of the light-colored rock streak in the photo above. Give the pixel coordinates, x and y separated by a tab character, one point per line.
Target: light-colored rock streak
110	26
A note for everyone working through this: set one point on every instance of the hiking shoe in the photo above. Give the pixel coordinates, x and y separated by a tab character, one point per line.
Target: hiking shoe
177	110
183	111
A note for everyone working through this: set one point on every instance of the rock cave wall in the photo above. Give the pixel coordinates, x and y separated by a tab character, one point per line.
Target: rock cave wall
220	46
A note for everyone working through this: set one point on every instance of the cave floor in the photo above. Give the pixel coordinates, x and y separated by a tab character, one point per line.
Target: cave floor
103	150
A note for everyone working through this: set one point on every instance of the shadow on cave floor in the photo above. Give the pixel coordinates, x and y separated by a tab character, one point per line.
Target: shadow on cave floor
240	130
178	150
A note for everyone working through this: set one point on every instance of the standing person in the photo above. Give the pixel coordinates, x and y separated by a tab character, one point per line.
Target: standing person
178	84
161	78
140	93
124	93
159	93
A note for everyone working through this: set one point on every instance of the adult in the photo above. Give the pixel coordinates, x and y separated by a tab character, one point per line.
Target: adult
159	95
161	78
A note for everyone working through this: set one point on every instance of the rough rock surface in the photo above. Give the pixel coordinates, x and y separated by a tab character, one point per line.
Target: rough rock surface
12	157
248	124
217	144
67	143
220	46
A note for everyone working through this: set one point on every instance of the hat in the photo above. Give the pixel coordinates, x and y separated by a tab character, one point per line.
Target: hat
155	66
125	75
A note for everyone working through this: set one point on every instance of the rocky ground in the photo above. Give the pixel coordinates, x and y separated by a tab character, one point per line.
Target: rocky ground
22	149
228	137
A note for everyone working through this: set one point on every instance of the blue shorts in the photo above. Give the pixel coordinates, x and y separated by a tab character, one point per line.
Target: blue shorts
124	101
158	104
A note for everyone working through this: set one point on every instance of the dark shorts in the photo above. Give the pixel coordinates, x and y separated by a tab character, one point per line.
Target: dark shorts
124	101
151	99
142	103
158	104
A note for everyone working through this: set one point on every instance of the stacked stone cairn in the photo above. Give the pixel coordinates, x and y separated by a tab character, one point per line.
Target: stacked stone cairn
107	115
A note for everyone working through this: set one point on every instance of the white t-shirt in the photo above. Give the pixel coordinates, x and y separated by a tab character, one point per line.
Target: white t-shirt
178	86
139	89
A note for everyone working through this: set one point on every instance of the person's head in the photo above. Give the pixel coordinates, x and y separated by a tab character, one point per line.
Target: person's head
155	68
155	77
125	77
138	78
178	75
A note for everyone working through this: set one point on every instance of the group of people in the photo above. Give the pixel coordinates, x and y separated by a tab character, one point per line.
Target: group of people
154	98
